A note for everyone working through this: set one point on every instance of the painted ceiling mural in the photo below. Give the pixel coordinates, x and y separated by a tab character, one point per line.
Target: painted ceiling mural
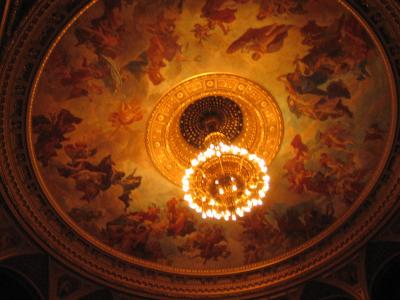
105	75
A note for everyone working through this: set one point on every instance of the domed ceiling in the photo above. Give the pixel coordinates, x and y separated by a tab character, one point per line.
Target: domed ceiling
317	100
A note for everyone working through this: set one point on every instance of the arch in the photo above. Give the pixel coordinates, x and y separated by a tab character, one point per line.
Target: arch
316	290
14	286
385	284
98	295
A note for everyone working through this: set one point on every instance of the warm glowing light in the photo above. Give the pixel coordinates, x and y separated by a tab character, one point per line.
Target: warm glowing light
225	182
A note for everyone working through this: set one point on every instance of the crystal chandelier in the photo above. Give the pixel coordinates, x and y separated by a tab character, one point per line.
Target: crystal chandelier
225	181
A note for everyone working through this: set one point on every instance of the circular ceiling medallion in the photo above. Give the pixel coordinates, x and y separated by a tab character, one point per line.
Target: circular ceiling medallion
246	111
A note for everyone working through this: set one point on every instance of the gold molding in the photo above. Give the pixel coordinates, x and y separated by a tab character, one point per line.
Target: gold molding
4	18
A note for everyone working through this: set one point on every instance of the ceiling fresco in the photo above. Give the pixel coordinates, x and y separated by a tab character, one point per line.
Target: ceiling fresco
98	87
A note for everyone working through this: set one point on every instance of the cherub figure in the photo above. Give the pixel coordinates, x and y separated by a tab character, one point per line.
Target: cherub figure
208	242
128	184
127	114
180	218
104	32
297	174
218	13
374	133
51	133
260	41
316	88
336	137
269	8
91	179
86	78
137	233
259	236
163	45
201	32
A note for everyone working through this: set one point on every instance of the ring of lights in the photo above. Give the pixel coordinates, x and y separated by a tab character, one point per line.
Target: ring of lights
261	132
225	181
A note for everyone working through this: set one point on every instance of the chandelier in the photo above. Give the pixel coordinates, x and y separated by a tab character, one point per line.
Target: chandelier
224	180
213	135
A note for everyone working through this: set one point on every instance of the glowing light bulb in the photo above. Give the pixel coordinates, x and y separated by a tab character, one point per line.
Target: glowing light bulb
225	148
239	212
243	151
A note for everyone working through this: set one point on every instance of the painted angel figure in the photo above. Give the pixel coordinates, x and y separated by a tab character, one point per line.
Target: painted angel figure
260	41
